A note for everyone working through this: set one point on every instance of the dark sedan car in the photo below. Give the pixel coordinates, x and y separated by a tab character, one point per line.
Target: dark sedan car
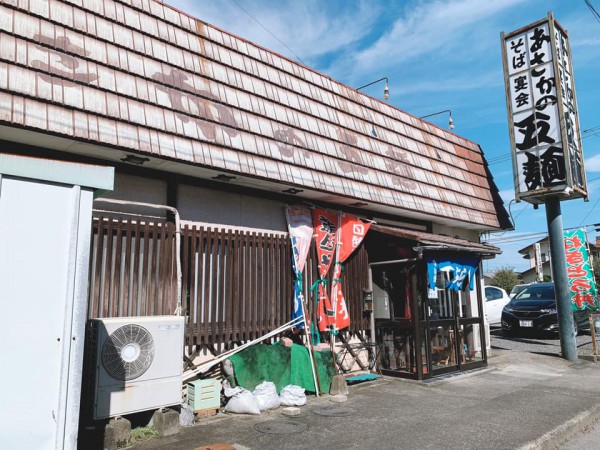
534	310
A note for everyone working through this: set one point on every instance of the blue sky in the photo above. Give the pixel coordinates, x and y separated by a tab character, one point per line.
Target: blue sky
437	55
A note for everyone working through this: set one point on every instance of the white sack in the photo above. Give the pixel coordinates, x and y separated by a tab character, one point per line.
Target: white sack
292	395
241	400
186	416
266	394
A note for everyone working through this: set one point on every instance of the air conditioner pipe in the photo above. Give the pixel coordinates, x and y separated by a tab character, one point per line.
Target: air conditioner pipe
178	309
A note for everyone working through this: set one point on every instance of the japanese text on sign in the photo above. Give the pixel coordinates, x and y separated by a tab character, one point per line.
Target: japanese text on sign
582	286
546	148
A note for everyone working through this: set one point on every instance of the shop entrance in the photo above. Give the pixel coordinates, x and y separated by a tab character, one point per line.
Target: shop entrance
421	331
427	303
452	322
394	294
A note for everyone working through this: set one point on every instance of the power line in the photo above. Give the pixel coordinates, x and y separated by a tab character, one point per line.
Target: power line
516	240
594	12
589	130
503	158
532	235
268	31
520	237
590	211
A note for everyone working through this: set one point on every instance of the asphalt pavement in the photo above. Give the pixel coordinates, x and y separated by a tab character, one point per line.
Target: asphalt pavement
537	343
523	400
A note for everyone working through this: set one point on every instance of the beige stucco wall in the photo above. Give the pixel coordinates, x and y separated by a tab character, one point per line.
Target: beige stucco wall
470	235
198	204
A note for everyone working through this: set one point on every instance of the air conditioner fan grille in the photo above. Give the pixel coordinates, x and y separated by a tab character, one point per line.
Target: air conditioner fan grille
128	352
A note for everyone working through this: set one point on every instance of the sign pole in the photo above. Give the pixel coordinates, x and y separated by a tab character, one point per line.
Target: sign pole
568	341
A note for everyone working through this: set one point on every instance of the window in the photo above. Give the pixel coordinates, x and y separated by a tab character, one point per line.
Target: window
492	294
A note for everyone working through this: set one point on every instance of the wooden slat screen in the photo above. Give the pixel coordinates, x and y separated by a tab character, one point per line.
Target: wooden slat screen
132	269
236	285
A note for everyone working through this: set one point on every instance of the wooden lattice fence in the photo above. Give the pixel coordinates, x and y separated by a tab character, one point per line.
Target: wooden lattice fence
236	285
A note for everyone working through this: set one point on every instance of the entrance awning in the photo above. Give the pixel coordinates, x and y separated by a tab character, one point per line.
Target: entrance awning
431	242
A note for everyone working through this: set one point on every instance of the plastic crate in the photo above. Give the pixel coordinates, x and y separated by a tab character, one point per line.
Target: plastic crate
204	394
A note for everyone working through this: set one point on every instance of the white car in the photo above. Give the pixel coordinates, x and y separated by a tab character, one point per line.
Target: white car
495	300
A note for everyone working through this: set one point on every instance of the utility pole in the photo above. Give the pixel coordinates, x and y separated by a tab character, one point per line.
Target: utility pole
566	328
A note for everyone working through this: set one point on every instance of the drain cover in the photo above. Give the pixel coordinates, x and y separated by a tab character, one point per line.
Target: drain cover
280	427
334	411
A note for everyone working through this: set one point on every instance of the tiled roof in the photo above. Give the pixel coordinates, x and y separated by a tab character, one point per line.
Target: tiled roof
142	76
438	241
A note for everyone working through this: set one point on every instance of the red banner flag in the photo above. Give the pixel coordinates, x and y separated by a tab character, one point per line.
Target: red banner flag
351	234
325	224
342	318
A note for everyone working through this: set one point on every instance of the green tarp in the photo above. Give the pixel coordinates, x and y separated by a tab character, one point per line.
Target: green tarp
282	365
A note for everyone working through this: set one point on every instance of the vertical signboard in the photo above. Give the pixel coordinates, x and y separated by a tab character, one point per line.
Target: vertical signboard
539	264
542	112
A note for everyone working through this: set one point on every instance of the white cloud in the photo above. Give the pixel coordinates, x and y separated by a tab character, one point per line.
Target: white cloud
588	42
507	195
582	29
510	257
584	38
592	164
430	27
310	28
462	82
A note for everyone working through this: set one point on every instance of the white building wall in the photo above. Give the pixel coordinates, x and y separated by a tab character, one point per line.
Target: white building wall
45	235
197	204
544	249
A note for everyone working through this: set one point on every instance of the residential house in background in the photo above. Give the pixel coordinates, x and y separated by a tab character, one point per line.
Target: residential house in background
532	274
595	249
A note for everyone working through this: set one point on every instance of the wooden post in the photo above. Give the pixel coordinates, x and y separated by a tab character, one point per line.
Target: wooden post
311	352
593	333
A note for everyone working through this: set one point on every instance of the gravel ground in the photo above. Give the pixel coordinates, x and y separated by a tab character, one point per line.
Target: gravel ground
547	344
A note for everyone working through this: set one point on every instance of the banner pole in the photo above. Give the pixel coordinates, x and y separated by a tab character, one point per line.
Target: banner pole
334	286
311	353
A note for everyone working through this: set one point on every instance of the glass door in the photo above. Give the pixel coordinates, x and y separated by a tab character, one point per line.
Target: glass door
471	344
442	329
454	327
394	291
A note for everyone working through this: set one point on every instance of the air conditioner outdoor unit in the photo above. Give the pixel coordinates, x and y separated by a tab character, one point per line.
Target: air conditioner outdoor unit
138	364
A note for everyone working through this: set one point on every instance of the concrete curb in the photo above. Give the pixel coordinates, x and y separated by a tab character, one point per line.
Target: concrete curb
437	382
562	433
